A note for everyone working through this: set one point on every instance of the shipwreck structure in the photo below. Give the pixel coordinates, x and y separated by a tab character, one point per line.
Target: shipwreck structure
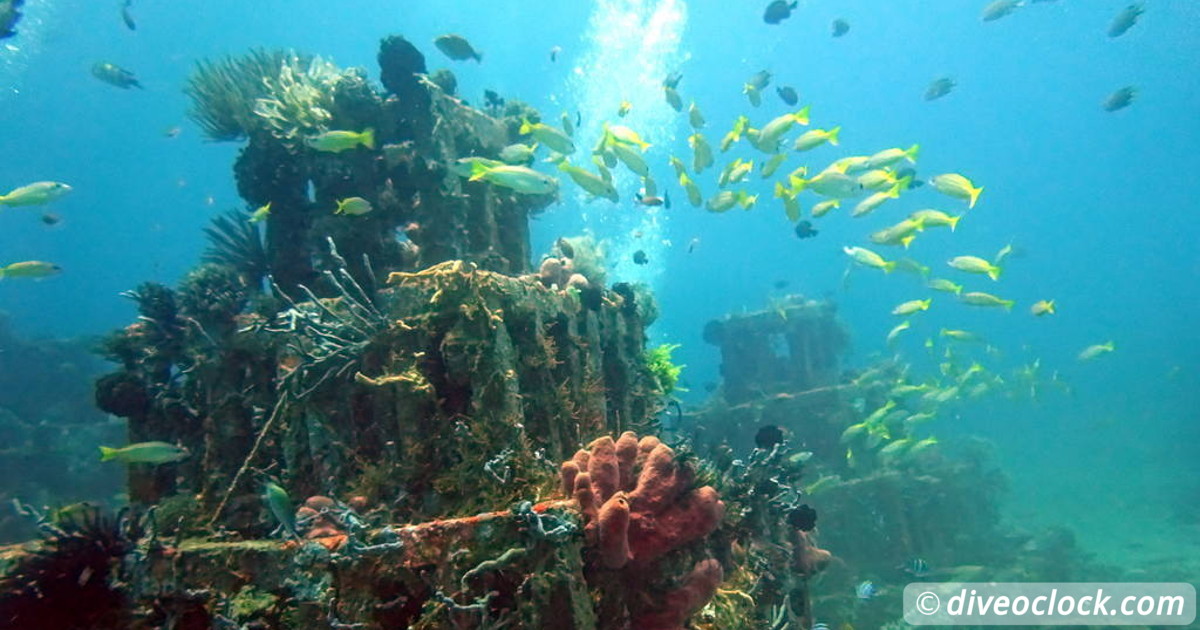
395	419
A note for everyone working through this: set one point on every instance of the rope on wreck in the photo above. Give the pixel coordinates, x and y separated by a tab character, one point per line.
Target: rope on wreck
276	412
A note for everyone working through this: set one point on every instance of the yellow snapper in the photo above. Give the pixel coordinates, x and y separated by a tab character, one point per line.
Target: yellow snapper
912	306
974	264
825	207
935	218
353	206
517	154
695	118
261	214
829	184
338	141
1042	307
814	138
902	233
1100	349
957	186
153	453
946	286
888	157
767	138
595	185
702	156
874	200
695	197
979	298
868	258
727	199
740	126
35	194
29	269
545	134
894	334
770	166
673	99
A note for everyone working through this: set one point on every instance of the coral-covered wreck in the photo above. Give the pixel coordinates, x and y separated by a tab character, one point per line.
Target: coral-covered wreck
415	393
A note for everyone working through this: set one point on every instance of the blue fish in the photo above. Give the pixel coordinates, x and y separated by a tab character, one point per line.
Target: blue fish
866	590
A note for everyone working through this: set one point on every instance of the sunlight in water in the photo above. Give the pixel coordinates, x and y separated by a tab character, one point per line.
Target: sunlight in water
631	46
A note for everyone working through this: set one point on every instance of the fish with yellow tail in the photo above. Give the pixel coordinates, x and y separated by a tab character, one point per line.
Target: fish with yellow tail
935	218
979	298
521	179
727	199
975	264
153	453
34	269
337	141
695	197
874	200
868	258
912	306
957	186
888	157
702	155
556	140
261	214
755	85
767	138
35	194
901	233
695	118
740	126
1043	307
595	185
814	138
1097	350
353	206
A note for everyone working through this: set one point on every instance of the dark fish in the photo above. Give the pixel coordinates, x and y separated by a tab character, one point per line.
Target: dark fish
781	285
787	94
768	436
640	258
760	80
840	27
564	248
1126	19
492	99
805	229
664	201
457	47
115	75
127	17
911	173
803	518
939	88
672	80
999	9
1120	99
778	11
51	219
554	53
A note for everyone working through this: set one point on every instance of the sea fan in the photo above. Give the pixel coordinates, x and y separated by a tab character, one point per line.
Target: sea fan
236	242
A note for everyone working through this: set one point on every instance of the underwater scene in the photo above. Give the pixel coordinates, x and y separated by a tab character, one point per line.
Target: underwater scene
602	314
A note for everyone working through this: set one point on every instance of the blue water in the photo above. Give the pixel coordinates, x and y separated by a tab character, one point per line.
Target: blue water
1101	206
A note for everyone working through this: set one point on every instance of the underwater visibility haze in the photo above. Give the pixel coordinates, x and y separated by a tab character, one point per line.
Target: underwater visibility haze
596	314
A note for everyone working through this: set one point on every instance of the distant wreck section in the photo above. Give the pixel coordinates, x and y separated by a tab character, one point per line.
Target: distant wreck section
394	420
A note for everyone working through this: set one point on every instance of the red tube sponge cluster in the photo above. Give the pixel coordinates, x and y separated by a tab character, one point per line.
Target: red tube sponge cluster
638	502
